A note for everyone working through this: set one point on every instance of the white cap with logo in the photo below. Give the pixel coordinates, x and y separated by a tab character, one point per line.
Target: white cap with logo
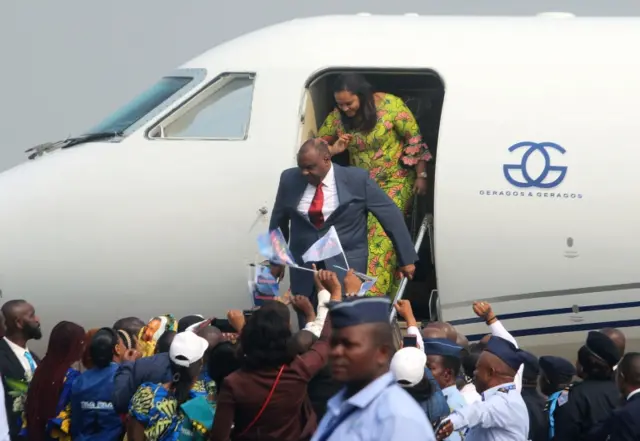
187	348
407	365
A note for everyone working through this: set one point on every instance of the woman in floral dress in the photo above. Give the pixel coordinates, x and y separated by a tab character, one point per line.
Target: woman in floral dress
182	409
382	136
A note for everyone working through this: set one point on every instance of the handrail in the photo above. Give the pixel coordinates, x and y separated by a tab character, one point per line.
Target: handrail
403	283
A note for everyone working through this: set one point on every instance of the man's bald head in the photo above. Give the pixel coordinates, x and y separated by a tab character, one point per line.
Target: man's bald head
433	332
300	342
461	340
132	325
484	340
618	338
22	323
317	145
211	334
13	309
314	160
448	330
628	373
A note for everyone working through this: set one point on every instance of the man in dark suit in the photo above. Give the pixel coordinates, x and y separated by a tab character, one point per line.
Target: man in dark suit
318	195
16	361
623	424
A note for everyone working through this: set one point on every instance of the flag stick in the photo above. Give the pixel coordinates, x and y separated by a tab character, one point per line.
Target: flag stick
303	268
345	259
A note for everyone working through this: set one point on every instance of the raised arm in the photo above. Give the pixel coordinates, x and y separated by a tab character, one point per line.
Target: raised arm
391	219
124	386
484	311
486	414
406	312
312	361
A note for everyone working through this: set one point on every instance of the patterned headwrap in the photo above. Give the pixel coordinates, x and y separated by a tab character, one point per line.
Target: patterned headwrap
151	332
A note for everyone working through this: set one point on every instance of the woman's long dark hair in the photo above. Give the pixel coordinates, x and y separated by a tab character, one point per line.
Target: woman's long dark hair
102	347
264	340
183	379
66	345
366	117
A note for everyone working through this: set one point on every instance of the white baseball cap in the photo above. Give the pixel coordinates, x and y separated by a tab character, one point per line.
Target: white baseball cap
407	365
187	348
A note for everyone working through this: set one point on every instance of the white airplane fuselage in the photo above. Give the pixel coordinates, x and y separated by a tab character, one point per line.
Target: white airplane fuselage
164	218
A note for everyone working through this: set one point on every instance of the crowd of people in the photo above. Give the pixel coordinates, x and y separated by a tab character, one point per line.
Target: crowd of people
332	371
338	378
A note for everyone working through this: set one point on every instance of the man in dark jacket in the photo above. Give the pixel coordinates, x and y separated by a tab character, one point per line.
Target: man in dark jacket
534	400
130	375
623	424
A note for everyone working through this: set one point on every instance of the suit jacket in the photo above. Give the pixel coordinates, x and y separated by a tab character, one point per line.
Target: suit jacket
358	195
130	375
10	367
622	425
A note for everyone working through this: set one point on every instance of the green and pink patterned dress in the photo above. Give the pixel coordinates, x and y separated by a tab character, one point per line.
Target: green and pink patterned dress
390	153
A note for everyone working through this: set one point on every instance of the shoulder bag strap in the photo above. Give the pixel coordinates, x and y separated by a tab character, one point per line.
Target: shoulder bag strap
264	405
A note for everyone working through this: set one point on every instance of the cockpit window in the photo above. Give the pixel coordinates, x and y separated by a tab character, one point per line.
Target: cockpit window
221	111
143	106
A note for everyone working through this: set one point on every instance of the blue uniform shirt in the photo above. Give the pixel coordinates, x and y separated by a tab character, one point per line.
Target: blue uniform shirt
456	401
92	414
380	411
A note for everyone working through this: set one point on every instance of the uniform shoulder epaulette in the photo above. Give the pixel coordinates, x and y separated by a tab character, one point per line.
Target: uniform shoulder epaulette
564	395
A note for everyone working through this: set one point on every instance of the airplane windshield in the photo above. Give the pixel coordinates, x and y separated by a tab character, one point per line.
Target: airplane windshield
142	105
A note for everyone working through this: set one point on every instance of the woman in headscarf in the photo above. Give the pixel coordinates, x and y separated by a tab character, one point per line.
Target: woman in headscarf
151	332
180	409
48	406
382	136
92	413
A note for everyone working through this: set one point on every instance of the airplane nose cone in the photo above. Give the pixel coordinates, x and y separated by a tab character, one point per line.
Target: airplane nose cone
102	231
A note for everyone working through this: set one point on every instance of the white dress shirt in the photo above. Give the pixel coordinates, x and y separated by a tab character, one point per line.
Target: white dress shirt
316	326
635	392
470	393
19	351
502	416
330	191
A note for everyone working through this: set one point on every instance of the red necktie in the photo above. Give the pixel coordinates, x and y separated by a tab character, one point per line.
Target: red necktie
315	210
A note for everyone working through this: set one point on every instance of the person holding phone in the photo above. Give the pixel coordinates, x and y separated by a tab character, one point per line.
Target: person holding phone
408	366
444	363
410	341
